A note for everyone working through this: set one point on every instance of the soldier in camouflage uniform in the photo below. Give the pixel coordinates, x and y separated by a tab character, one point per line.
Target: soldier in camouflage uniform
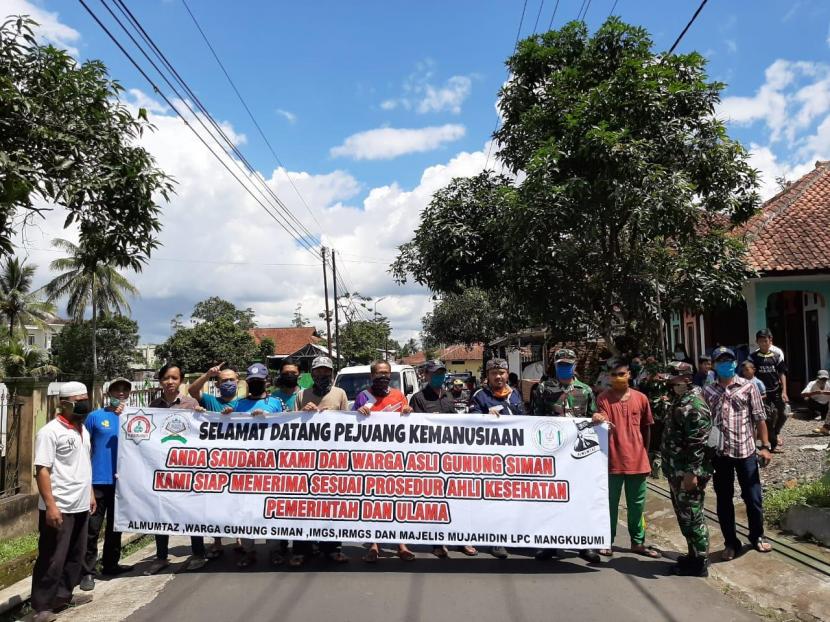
653	383
687	465
564	396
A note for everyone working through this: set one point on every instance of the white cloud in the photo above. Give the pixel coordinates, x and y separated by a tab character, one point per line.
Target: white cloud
216	240
389	142
731	45
288	116
421	95
50	28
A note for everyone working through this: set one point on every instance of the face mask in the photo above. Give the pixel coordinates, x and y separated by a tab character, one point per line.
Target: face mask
619	382
679	356
322	385
635	370
565	371
288	380
437	381
256	386
725	369
381	384
456	391
679	389
81	408
227	389
114	402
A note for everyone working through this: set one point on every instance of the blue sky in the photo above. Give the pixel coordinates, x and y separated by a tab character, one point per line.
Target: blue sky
373	105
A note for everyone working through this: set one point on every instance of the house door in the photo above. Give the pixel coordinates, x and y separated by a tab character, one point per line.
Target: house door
813	342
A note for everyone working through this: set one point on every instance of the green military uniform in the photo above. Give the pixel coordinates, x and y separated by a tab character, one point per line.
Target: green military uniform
655	389
685	450
554	398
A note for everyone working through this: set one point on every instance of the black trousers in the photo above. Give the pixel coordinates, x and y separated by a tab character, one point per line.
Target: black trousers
197	545
749	479
778	414
105	499
60	559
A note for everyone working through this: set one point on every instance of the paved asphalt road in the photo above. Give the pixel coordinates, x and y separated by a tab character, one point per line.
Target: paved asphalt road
519	589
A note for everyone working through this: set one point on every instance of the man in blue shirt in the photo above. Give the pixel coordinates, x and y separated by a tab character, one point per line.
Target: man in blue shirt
102	425
288	384
226	381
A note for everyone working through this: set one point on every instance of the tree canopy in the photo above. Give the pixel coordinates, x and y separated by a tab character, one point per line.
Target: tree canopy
216	308
117	339
66	138
624	192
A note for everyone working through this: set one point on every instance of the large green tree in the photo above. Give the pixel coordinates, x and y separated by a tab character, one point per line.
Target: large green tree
626	187
361	340
19	305
68	140
116	341
86	280
220	335
18	360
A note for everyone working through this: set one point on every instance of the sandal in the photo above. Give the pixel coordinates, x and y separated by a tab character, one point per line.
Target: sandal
646	551
606	552
215	552
277	558
296	561
728	554
248	559
337	557
823	430
371	556
469	551
440	552
762	545
407	556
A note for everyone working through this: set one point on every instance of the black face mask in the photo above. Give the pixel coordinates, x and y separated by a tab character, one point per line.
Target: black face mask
288	380
256	386
322	385
381	384
81	408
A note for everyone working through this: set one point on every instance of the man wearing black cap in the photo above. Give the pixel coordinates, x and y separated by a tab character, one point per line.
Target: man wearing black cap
433	398
102	425
737	418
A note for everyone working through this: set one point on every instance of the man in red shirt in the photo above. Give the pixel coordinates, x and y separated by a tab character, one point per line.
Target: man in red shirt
629	414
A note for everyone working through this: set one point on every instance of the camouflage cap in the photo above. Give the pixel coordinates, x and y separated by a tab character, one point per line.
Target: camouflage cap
680	369
564	355
496	364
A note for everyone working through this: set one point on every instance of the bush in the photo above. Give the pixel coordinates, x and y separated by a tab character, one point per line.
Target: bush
777	502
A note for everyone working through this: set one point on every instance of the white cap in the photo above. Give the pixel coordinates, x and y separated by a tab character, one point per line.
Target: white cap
71	389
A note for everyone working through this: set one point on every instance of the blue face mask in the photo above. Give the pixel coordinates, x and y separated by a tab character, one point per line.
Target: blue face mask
565	371
227	389
725	369
437	380
114	402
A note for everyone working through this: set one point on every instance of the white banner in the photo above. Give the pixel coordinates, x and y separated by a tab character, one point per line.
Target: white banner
430	479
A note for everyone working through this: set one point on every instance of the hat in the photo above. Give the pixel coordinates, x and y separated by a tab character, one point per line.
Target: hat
71	389
120	380
680	369
433	366
257	370
496	364
723	351
458	382
565	356
321	361
822	373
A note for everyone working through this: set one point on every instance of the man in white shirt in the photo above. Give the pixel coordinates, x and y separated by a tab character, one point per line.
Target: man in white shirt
817	393
64	480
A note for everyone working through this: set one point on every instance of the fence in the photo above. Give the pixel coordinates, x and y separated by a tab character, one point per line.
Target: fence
10	409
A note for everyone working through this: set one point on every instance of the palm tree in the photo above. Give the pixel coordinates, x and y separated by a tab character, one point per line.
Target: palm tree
19	305
18	360
86	280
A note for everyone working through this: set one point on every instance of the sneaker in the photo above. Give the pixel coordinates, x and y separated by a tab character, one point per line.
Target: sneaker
196	562
694	567
87	583
590	555
115	570
545	554
499	552
45	616
156	566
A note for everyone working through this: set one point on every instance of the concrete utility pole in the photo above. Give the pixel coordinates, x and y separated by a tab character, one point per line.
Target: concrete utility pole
336	305
326	294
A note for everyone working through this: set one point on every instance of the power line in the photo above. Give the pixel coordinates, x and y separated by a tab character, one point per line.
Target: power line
579	12
536	23
125	11
515	45
248	110
585	14
613	6
552	17
689	25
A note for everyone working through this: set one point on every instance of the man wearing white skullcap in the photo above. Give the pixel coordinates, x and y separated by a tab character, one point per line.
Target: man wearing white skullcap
64	480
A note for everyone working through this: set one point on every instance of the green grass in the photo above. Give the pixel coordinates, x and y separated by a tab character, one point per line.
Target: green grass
17	547
777	502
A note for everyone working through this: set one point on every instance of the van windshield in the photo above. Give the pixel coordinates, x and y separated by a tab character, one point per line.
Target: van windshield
353	384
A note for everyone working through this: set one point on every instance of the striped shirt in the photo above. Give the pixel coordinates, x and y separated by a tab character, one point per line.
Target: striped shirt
735	411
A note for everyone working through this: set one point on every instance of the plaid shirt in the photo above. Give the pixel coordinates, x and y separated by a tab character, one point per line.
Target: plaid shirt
735	411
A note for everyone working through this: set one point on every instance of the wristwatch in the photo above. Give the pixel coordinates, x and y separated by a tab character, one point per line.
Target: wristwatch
759	446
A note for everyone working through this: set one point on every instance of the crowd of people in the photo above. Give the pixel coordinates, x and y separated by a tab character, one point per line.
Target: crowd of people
717	421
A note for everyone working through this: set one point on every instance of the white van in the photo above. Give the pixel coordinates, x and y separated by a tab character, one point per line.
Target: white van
354	379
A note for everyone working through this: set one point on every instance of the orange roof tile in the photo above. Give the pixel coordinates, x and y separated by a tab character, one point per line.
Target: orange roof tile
463	352
287	340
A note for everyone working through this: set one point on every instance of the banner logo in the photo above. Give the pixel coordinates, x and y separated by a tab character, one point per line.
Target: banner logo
175	425
586	440
548	436
138	427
